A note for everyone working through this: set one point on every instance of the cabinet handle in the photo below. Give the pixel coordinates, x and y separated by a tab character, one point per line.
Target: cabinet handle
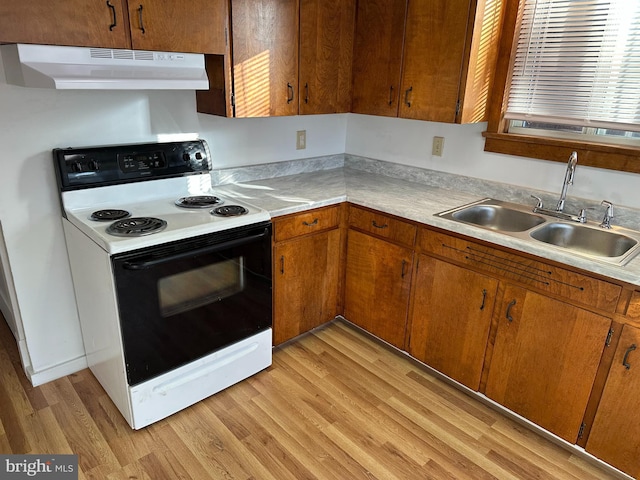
306	93
406	96
373	222
290	91
484	298
404	262
140	19
282	264
113	16
625	360
391	95
307	224
511	304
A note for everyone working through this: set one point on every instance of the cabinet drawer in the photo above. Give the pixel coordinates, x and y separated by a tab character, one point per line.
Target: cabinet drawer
382	225
555	280
306	222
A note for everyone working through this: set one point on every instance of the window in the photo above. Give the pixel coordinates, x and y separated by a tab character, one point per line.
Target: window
568	79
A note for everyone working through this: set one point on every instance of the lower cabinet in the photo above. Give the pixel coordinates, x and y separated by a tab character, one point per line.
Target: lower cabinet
307	256
545	358
615	435
377	286
450	319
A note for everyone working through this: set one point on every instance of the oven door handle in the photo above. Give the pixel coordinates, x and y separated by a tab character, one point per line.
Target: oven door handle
193	253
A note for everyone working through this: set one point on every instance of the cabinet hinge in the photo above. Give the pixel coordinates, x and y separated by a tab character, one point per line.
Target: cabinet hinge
607	342
581	431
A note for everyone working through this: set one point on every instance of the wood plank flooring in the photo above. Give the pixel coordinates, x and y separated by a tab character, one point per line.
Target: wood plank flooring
334	405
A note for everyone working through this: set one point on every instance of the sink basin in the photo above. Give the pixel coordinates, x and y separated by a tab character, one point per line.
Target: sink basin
585	240
498	217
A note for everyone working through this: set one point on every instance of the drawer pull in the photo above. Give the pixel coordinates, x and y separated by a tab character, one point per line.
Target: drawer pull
484	298
625	360
406	96
113	16
140	19
290	93
282	264
511	304
307	224
373	222
404	262
391	95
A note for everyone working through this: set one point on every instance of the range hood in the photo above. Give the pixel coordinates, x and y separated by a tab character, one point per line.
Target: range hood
80	68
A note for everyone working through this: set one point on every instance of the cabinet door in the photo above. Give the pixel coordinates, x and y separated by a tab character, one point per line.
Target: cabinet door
377	56
65	22
196	26
545	358
326	53
435	39
305	283
450	320
265	57
615	435
378	279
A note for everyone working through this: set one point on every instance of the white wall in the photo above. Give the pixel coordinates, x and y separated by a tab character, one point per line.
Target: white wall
408	142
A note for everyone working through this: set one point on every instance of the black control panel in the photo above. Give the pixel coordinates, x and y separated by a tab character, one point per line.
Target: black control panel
89	167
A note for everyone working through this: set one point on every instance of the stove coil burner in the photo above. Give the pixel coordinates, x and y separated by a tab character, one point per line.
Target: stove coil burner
109	215
229	211
136	227
198	201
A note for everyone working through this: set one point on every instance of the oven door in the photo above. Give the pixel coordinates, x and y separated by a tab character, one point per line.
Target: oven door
181	301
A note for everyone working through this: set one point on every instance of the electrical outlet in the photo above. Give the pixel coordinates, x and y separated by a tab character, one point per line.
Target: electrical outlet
301	139
438	146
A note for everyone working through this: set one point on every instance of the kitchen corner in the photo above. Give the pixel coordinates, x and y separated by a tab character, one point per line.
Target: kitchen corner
407	192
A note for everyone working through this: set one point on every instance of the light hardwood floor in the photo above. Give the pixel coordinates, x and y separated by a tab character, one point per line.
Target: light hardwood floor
334	405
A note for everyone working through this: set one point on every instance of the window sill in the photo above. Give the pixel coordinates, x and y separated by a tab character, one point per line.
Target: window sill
589	154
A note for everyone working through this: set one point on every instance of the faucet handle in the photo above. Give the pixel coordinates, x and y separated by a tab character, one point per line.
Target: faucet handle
608	214
539	204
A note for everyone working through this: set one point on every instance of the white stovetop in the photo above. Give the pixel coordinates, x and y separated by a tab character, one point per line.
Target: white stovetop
153	199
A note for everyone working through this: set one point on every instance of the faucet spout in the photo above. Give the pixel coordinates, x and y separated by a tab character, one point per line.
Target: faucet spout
568	180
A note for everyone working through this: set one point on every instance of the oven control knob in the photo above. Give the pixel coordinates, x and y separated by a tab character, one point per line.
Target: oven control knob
186	157
93	165
76	167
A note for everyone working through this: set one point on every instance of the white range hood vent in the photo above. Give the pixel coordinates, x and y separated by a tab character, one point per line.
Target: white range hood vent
81	68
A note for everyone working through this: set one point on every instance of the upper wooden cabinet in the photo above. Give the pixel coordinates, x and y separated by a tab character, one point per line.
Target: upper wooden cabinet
291	56
87	23
326	53
189	26
195	26
377	59
265	57
450	49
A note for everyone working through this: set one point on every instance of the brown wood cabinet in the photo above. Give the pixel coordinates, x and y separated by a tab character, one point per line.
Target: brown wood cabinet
65	22
377	59
326	54
448	58
545	358
378	273
198	26
307	258
292	56
265	57
615	435
188	26
450	318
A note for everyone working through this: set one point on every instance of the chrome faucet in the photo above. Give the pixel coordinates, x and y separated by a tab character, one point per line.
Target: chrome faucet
568	180
608	215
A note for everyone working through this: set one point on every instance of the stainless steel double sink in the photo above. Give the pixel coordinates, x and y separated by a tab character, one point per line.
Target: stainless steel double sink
615	246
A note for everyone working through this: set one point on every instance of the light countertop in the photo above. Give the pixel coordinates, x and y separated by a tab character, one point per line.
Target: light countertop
411	200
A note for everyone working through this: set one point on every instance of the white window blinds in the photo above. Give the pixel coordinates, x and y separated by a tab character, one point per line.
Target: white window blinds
577	62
